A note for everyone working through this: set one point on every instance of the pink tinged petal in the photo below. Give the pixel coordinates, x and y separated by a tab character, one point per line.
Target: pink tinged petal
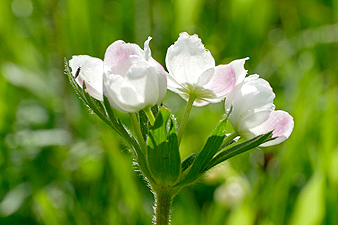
279	121
187	59
91	72
283	124
215	83
219	80
120	56
253	95
246	128
238	67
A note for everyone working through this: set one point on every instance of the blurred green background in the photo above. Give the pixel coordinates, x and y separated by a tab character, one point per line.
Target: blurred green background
59	164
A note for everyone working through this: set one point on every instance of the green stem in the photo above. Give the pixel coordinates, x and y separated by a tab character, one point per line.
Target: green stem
228	139
138	132
185	117
150	115
162	207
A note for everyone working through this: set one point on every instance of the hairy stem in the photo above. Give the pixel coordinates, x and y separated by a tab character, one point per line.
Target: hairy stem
162	207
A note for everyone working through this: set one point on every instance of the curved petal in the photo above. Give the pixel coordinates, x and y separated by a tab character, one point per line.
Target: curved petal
220	82
119	57
91	72
247	127
152	62
142	86
200	102
149	84
121	94
112	90
279	121
238	67
147	51
187	59
252	95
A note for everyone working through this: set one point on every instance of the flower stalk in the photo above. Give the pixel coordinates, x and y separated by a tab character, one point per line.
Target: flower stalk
150	115
162	207
186	114
138	132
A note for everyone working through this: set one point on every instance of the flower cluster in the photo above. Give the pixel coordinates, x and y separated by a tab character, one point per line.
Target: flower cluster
132	81
128	79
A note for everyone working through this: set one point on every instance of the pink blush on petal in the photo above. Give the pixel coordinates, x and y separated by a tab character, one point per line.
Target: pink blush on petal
224	79
281	122
118	58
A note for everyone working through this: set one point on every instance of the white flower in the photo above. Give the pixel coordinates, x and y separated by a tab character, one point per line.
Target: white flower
132	79
192	70
253	111
89	70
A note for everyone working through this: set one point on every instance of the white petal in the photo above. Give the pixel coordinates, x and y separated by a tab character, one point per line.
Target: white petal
119	57
238	67
91	72
215	83
200	102
247	127
279	121
147	51
174	86
121	94
252	95
112	90
142	86
187	59
219	80
147	83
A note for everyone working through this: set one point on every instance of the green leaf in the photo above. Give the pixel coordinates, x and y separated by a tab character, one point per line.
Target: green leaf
187	162
238	149
144	122
116	124
214	142
94	104
121	130
163	151
105	112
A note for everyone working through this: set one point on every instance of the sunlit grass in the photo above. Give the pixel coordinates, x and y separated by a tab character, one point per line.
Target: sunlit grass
59	164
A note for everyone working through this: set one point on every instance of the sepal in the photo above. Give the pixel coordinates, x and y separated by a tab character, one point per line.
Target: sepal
211	147
163	150
238	149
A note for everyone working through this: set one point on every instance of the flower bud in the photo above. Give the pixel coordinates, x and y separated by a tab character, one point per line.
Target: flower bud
253	111
132	79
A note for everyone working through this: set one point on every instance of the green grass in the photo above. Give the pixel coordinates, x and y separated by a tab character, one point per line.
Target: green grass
59	164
